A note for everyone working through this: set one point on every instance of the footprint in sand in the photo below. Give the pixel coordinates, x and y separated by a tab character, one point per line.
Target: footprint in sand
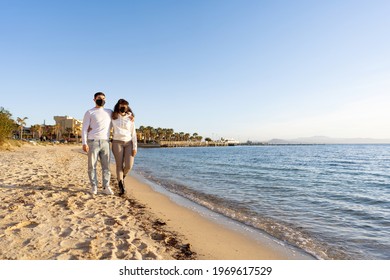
29	193
67	232
158	236
124	217
68	243
112	222
123	250
149	256
123	234
84	246
123	246
62	203
18	226
139	244
26	242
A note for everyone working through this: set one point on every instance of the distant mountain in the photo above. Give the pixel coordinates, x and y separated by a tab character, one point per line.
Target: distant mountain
328	140
282	142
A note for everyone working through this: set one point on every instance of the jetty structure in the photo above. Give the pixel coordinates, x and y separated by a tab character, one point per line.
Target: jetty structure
176	144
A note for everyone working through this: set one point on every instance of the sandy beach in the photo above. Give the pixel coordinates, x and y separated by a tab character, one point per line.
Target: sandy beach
48	213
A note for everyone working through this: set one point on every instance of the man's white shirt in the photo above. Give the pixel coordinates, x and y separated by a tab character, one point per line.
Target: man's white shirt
96	124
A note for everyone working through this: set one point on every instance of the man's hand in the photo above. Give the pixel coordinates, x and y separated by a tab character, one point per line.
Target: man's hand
134	153
85	148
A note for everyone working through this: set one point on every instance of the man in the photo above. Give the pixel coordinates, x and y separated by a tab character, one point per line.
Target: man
95	137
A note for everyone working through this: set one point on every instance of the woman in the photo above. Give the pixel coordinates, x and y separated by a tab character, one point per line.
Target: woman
124	143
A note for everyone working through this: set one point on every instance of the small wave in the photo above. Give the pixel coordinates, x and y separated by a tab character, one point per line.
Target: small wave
294	236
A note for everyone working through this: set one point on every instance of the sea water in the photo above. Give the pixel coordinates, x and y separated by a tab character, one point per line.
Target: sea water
332	201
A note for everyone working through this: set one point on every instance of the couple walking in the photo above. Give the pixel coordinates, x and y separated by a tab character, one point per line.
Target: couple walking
97	124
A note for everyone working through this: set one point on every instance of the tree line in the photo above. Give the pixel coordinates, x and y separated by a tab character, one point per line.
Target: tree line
145	134
148	134
7	125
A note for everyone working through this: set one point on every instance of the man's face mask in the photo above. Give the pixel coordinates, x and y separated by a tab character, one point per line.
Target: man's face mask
100	102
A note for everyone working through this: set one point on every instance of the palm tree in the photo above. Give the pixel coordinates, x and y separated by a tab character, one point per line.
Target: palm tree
77	130
51	130
160	134
143	133
148	132
35	128
140	133
21	122
164	134
69	130
57	130
197	137
153	134
170	132
39	130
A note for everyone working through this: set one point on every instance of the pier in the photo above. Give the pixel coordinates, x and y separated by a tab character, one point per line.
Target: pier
172	144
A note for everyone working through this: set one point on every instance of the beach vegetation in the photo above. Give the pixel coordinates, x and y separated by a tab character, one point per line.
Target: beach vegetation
7	125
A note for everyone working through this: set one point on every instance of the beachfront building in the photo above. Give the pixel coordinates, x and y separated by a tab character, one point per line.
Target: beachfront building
68	126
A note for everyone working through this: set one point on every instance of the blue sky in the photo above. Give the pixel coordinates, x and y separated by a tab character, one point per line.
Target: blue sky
249	70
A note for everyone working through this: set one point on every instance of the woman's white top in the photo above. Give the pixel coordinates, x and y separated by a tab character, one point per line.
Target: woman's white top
124	130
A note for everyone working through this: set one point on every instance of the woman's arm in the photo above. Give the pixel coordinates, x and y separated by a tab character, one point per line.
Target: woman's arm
134	139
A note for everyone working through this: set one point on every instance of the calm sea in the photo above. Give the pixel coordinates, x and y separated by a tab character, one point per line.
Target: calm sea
332	201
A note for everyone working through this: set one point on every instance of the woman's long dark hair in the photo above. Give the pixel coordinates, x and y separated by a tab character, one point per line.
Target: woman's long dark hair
116	109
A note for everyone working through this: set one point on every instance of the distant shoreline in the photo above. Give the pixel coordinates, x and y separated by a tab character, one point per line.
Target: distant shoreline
180	144
186	145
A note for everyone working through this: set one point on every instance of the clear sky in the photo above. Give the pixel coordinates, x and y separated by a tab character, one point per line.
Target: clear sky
244	69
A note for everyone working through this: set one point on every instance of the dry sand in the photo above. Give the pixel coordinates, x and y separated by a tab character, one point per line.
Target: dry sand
47	212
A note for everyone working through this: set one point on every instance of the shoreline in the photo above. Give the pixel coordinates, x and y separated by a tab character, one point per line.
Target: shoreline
48	213
211	237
